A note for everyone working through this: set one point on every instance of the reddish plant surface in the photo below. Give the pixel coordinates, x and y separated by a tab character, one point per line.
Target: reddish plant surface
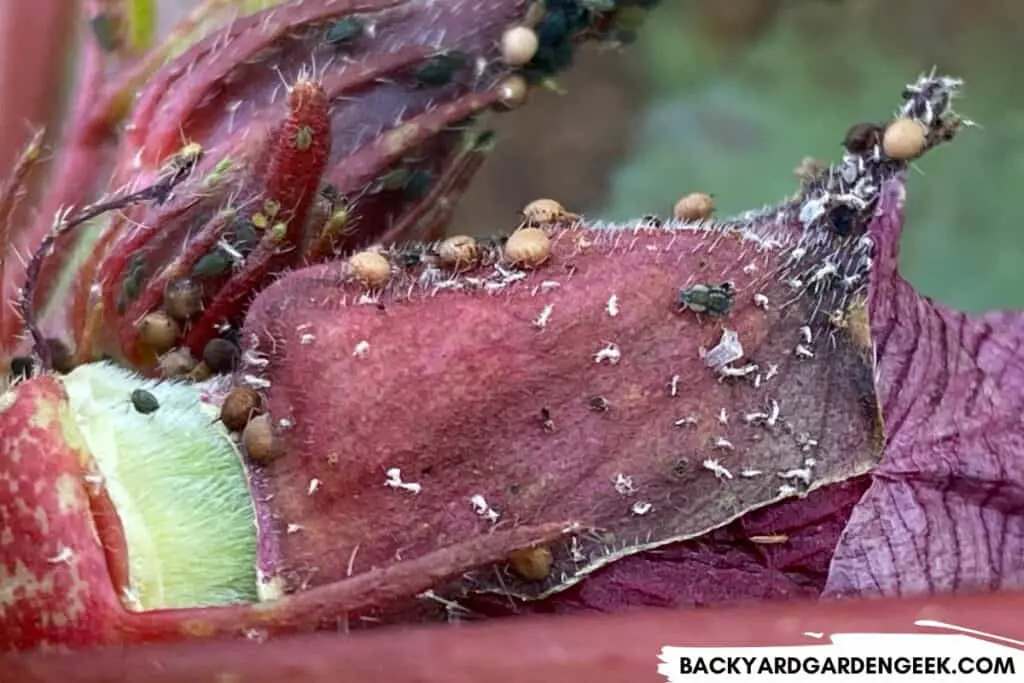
832	434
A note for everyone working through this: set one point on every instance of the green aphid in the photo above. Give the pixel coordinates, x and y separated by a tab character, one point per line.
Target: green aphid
345	31
394	179
105	32
440	70
479	141
271	207
144	402
246	236
135	276
215	176
417	184
217	262
303	138
713	300
279	232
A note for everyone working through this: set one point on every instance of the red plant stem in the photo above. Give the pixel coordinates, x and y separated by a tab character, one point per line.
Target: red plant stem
594	648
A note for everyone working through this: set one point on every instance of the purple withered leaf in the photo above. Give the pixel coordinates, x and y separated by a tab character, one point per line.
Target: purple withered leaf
943	511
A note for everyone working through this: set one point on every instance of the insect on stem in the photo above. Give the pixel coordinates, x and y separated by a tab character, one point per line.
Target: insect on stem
178	169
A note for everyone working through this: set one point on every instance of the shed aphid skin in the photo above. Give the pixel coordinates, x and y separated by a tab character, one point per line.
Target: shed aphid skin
144	402
641	508
481	508
728	350
610	353
394	480
716	468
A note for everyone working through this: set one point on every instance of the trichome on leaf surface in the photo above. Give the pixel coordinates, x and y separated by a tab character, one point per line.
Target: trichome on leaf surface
566	416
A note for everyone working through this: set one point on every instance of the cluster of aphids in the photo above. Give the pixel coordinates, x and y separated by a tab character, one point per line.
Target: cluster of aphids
528	246
841	197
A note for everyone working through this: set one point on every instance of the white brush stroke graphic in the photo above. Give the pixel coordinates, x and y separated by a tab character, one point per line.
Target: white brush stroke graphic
961	657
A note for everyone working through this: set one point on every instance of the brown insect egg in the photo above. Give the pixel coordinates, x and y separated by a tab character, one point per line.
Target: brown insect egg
159	331
176	363
904	139
519	45
221	355
183	298
258	439
528	247
545	211
459	252
532	564
240	406
371	268
512	92
697	206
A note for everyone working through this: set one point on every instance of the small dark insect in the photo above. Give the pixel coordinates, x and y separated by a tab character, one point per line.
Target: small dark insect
105	32
652	219
861	138
440	70
600	404
134	278
842	218
144	402
21	367
217	262
344	31
545	416
715	300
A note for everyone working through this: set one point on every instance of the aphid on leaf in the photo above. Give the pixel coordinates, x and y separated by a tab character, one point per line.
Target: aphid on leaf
176	363
217	262
417	184
135	276
459	252
371	268
519	45
159	331
303	138
22	367
240	406
440	70
144	402
221	355
862	138
183	298
544	211
105	32
394	179
714	300
258	439
904	140
697	206
532	564
528	247
345	31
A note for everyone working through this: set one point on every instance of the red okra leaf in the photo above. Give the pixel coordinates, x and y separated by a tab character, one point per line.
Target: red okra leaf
447	406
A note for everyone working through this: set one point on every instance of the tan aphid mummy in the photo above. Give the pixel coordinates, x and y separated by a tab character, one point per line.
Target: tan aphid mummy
176	363
904	139
532	564
528	247
371	268
697	206
459	252
512	92
240	406
543	211
159	331
258	439
519	45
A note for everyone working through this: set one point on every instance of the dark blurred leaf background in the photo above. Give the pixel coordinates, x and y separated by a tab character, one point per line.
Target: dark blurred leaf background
726	96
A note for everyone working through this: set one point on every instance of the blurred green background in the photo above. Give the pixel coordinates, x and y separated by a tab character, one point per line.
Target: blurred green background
726	96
